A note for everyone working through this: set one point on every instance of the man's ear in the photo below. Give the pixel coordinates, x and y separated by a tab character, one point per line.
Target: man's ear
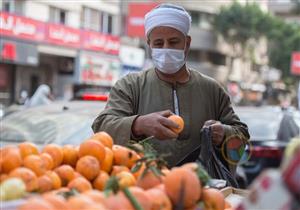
187	44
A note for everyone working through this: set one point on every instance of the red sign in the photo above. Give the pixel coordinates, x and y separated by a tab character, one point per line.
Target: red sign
295	63
21	27
136	13
62	35
8	51
100	42
29	29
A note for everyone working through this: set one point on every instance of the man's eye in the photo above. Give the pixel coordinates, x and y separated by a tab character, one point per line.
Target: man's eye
174	43
157	44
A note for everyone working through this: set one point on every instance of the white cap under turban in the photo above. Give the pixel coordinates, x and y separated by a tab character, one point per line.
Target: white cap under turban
168	15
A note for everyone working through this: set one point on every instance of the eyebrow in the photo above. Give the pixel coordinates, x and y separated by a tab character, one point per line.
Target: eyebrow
174	39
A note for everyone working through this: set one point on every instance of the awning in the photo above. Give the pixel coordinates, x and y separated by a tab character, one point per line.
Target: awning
59	51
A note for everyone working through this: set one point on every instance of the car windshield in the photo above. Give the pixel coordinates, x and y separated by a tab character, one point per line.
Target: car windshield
262	124
44	127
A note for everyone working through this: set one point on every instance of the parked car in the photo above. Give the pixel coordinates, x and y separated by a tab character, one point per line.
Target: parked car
59	122
270	129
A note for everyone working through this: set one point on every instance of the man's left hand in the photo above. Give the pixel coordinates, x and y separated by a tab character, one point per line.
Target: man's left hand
218	131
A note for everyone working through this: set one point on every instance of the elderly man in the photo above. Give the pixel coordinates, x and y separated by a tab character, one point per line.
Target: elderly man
140	103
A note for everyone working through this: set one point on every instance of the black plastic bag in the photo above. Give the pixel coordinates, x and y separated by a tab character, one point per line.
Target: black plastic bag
213	161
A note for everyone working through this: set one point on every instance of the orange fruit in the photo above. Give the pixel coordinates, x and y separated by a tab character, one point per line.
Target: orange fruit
142	197
66	173
124	156
108	160
77	175
36	164
183	182
70	155
95	195
10	159
160	187
104	138
57	201
159	199
149	180
28	177
118	201
179	121
125	179
192	166
92	148
100	181
35	203
28	148
81	184
55	152
213	199
88	166
44	184
48	161
3	177
80	202
117	169
56	182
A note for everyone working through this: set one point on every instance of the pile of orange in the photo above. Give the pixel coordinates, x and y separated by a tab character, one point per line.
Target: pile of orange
88	167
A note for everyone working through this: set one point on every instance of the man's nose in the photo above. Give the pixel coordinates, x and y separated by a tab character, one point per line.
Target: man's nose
166	45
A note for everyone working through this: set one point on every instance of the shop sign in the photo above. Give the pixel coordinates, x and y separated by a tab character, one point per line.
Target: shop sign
132	56
100	42
136	14
21	27
18	53
62	35
98	70
29	29
295	63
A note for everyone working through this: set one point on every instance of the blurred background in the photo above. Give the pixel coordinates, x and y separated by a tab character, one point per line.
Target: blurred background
252	47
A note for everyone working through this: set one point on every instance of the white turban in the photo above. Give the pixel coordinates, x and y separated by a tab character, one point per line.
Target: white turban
168	15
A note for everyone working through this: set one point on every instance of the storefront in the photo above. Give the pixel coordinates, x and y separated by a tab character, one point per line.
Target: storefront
14	57
53	54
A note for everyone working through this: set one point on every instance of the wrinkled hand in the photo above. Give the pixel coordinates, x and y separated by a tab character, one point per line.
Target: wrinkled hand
155	124
218	131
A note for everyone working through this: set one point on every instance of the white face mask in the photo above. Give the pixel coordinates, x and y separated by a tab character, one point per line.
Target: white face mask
168	61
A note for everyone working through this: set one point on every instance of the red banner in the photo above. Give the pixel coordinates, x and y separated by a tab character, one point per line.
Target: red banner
62	35
295	63
136	13
29	29
21	27
100	42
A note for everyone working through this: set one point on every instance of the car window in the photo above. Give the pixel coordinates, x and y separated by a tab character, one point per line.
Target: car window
41	127
262	126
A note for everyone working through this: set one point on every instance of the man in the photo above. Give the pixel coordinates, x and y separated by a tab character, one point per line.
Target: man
140	103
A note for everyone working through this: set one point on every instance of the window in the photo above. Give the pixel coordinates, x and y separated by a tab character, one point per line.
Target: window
201	19
12	6
91	19
58	15
107	22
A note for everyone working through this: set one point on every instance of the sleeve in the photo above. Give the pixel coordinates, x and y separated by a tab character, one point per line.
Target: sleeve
118	116
231	122
227	116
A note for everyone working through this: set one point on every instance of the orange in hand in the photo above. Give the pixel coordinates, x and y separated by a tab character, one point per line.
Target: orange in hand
179	121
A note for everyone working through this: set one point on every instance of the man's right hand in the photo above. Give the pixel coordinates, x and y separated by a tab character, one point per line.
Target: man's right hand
155	124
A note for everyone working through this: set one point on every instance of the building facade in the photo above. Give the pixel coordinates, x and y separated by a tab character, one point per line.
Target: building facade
60	43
